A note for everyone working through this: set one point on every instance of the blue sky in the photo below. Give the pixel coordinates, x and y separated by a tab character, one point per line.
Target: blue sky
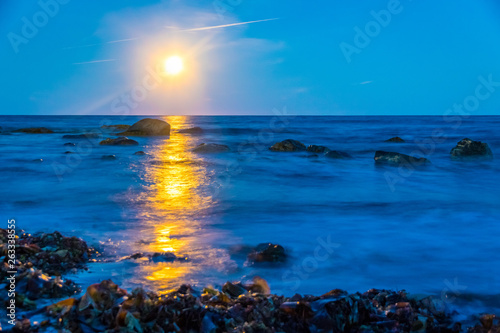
422	59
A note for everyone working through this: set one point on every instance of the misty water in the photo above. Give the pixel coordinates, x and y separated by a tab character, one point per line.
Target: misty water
346	224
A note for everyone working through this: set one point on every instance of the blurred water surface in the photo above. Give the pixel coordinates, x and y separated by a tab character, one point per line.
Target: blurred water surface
422	230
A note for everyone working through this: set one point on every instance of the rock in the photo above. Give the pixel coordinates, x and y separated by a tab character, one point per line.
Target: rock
68	152
39	160
288	146
193	130
267	252
469	148
337	154
487	321
34	130
139	153
148	127
318	149
210	148
69	144
61	253
116	127
234	289
82	136
396	139
397	159
121	141
136	255
163	257
108	157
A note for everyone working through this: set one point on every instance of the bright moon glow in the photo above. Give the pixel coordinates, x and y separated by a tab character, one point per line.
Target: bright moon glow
174	65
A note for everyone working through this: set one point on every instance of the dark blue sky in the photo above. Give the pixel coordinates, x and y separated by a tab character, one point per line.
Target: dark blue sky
411	57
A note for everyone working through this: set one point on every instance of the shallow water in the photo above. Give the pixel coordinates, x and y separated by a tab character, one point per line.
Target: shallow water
427	230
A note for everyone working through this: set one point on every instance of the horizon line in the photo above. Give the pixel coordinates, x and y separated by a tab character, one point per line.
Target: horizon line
238	115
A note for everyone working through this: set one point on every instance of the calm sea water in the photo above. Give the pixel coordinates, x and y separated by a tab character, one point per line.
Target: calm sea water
428	230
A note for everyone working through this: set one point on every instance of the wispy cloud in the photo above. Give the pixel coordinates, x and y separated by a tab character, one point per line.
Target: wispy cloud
93	62
227	25
106	43
366	82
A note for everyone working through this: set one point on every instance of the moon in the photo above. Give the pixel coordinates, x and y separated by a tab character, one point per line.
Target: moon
174	65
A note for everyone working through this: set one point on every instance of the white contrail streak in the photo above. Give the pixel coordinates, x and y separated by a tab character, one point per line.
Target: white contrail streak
228	25
93	62
111	42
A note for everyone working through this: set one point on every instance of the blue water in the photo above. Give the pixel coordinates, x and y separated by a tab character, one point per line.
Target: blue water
427	230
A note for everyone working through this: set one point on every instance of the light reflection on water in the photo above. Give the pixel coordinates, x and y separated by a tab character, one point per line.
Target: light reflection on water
177	196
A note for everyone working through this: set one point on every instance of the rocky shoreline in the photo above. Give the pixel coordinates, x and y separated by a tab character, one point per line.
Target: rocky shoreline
43	259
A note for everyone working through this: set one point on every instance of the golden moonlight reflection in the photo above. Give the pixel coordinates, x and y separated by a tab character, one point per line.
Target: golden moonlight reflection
173	205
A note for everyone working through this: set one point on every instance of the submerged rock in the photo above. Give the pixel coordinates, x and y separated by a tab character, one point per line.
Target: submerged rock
38	160
397	159
116	127
108	157
470	148
121	141
396	139
139	153
82	136
148	127
318	149
288	146
69	144
193	130
337	154
267	252
211	148
34	130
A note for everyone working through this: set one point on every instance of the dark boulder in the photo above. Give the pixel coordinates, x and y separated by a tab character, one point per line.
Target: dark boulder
396	139
121	141
234	289
163	257
469	148
68	152
69	144
116	127
210	148
318	149
267	252
288	146
337	154
148	127
34	130
397	159
193	130
139	153
82	136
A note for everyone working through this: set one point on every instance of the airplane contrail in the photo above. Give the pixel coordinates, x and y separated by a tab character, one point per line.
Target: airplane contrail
229	25
111	42
93	62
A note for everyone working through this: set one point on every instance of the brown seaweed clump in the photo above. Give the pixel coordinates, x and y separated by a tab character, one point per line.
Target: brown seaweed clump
237	308
40	261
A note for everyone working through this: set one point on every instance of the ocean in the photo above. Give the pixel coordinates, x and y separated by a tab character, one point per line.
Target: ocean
345	223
